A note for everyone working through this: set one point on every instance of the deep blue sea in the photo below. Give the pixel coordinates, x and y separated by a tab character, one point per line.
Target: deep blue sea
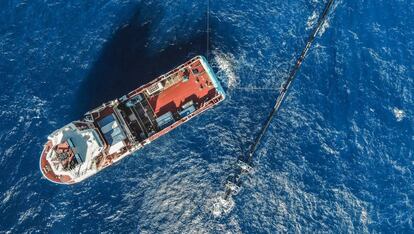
338	157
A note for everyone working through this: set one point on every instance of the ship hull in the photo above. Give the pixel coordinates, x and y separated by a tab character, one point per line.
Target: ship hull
197	85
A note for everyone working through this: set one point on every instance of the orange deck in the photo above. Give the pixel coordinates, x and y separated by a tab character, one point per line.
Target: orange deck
199	88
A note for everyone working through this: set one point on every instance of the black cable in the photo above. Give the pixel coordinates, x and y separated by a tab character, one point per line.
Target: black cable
285	87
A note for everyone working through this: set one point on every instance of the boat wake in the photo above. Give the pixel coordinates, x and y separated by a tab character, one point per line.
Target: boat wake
225	64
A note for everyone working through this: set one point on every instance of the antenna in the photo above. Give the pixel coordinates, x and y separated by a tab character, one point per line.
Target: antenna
208	30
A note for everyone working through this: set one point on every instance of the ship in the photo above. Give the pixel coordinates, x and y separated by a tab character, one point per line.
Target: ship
120	127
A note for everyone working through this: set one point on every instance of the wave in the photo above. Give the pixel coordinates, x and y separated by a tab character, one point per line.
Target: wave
225	62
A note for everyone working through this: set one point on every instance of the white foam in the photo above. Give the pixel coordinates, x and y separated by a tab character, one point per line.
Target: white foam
312	20
329	149
326	24
226	64
364	216
323	28
220	206
399	114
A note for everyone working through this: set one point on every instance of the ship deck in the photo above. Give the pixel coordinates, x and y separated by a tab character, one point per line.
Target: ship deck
46	168
137	118
198	88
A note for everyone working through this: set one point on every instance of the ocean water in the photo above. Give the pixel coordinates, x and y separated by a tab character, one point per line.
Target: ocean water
338	158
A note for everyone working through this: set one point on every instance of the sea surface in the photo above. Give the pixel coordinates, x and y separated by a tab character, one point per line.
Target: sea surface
338	157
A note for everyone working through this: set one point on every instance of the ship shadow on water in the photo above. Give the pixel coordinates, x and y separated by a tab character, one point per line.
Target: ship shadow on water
126	63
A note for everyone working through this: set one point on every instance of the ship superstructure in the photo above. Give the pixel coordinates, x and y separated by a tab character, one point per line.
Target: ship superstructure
122	126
